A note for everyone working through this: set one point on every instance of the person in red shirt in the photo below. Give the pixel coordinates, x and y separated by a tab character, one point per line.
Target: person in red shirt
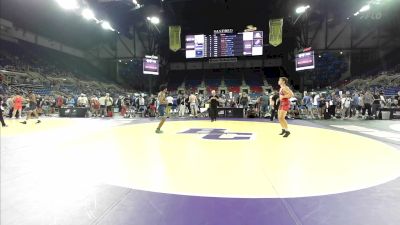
18	100
284	95
95	104
60	101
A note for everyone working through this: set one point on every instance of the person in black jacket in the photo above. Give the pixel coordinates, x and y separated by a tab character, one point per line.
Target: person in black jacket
275	103
3	124
214	101
376	105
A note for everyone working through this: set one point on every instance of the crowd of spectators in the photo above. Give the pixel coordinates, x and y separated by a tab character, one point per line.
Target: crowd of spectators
359	98
344	103
327	104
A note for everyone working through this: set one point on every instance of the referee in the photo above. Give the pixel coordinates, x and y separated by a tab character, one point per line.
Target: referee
214	101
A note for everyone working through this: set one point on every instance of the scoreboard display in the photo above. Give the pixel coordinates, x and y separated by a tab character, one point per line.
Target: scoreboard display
151	65
305	61
224	45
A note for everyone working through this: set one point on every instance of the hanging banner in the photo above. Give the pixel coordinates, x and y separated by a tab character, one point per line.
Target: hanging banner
175	38
275	32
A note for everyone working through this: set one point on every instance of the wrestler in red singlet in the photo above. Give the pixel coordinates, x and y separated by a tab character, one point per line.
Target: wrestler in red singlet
285	103
284	95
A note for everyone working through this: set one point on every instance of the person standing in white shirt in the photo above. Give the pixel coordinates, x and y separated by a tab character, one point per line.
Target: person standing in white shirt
170	101
109	103
346	104
83	101
102	101
315	104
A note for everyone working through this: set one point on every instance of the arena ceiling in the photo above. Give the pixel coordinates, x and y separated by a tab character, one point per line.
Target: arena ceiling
195	16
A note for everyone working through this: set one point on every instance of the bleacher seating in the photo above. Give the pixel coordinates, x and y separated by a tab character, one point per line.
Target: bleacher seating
213	82
329	68
391	91
42	92
210	88
388	82
212	78
256	89
233	78
233	82
234	89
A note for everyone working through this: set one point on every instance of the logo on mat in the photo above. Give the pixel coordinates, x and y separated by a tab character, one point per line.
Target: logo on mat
219	134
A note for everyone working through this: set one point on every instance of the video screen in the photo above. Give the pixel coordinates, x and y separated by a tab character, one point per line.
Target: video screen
305	61
151	66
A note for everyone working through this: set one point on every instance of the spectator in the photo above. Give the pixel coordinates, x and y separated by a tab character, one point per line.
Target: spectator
181	104
3	124
264	104
119	103
153	106
307	102
376	104
170	101
109	104
103	109
244	101
321	106
95	106
142	105
214	101
398	96
368	100
83	101
193	104
46	105
39	104
355	102
70	101
315	107
60	101
382	99
52	104
335	102
10	106
126	103
17	103
274	103
346	105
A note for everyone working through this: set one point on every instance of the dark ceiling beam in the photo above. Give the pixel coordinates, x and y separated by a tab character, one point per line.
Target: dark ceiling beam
364	38
320	23
338	35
